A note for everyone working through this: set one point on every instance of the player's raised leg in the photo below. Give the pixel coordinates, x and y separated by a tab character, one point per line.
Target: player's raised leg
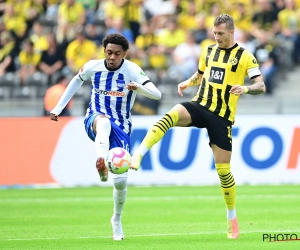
154	135
119	195
103	127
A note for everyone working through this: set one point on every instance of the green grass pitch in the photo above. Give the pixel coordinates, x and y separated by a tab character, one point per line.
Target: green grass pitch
179	217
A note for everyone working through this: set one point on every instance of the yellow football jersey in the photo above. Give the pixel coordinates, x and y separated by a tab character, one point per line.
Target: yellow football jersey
222	69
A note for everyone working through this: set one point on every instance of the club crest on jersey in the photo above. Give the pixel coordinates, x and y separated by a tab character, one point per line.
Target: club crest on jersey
233	61
120	83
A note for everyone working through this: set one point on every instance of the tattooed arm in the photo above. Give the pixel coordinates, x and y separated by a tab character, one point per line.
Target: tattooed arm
258	87
195	80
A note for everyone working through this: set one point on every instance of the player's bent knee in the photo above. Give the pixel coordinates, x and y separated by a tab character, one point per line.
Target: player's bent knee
120	183
223	168
103	122
183	116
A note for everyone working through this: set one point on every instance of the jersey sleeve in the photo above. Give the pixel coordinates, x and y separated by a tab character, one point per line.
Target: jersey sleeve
202	64
252	67
137	74
146	87
252	62
85	72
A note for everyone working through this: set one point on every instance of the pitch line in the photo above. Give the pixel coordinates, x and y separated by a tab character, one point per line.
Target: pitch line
149	235
149	198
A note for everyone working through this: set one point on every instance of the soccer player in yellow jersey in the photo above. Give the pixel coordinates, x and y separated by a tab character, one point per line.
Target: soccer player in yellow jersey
221	73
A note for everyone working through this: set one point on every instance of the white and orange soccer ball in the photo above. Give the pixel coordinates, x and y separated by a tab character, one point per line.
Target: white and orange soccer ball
118	160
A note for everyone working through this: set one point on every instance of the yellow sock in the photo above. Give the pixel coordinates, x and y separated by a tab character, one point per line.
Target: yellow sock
159	129
227	184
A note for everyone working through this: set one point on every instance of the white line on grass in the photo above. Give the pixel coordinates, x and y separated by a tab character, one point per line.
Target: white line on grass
150	198
148	235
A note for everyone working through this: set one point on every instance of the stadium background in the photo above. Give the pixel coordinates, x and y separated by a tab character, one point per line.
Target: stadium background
159	38
174	200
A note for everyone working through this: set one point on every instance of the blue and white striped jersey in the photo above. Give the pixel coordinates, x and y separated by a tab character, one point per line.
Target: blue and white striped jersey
109	95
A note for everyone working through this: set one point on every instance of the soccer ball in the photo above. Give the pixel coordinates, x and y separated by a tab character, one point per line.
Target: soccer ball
118	160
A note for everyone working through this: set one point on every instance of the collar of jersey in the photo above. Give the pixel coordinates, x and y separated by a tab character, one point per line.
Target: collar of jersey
233	47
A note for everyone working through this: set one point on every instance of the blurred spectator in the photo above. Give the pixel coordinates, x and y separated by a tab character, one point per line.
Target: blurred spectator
118	27
30	10
157	59
100	12
79	52
15	23
90	7
94	33
114	9
185	59
242	17
71	15
209	40
267	55
28	60
134	55
53	95
279	5
52	59
33	9
2	25
146	38
144	41
2	6
180	6
264	20
187	19
100	52
200	31
289	21
51	11
214	11
158	8
38	37
134	16
171	36
243	38
7	53
156	30
207	5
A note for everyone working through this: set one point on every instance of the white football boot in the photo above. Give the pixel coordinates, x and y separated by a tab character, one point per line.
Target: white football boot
117	230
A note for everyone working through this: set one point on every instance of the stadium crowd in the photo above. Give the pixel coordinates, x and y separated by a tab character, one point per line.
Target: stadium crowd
41	40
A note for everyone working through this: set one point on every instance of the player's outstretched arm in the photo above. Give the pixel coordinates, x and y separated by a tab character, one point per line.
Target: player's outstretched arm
258	87
149	89
195	80
72	88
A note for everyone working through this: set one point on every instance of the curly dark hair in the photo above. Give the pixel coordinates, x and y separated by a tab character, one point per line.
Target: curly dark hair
116	39
224	18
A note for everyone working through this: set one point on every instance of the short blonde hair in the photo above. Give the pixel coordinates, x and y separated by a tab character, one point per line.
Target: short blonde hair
225	18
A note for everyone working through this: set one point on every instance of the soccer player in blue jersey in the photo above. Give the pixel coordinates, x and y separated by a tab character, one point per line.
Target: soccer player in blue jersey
115	83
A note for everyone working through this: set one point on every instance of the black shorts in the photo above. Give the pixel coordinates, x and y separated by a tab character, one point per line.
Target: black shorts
219	129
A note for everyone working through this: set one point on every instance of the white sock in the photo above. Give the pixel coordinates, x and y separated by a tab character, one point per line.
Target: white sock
102	137
142	150
119	195
231	214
